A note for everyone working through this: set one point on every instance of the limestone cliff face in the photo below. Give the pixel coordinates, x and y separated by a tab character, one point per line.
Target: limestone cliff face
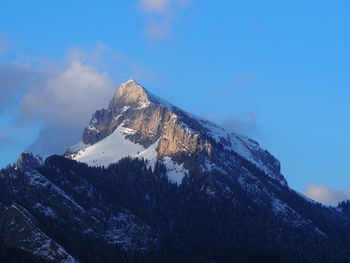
129	93
181	136
141	111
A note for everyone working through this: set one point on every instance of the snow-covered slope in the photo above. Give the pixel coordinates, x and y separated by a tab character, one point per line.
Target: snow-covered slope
116	146
111	149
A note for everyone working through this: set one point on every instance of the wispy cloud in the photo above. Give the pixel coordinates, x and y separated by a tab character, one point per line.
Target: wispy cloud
105	58
159	15
157	30
163	7
15	80
326	195
4	43
6	139
243	80
157	6
68	95
247	125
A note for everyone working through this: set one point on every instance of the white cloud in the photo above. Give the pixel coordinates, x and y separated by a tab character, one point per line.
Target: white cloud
62	95
154	5
71	96
159	17
249	124
326	195
157	31
104	58
63	103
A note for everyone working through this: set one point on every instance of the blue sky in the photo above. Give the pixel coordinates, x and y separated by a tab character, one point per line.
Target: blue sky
275	70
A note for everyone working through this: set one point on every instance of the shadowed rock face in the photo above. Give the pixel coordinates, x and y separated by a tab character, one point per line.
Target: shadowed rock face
183	137
20	231
28	161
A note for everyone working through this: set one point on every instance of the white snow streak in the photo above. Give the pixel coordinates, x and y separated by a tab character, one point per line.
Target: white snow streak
116	146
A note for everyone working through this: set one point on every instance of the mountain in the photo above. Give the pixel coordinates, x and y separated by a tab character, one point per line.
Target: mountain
140	124
150	182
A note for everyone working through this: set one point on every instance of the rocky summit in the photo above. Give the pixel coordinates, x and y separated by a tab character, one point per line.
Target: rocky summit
150	182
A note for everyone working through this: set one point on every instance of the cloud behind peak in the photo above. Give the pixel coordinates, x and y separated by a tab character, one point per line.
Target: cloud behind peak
326	195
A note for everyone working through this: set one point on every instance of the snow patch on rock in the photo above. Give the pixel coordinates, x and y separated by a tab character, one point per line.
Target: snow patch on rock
116	146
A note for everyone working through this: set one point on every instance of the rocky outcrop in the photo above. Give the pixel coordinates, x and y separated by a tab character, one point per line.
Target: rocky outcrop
137	109
27	161
20	231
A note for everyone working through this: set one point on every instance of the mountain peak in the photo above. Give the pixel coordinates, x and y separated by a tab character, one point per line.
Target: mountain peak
140	124
27	160
130	86
130	92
